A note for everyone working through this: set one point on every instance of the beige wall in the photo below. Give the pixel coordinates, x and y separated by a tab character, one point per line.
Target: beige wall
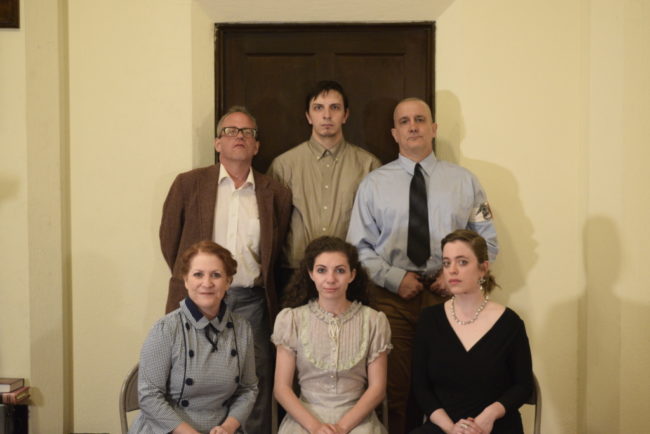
14	269
511	115
102	103
615	353
35	323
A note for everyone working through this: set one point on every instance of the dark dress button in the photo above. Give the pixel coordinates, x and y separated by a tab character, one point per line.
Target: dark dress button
191	353
187	325
233	352
185	403
229	324
237	379
189	381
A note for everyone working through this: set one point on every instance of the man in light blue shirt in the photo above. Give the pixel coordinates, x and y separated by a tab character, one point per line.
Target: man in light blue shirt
379	228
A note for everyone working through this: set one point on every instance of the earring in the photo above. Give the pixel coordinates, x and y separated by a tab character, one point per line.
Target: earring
481	281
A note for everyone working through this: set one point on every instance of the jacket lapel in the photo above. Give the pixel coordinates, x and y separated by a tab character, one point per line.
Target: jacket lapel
265	208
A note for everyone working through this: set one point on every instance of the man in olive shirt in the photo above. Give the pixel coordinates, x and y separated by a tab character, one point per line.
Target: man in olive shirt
323	173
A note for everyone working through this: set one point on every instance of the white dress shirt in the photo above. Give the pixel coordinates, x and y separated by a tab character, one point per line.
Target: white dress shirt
237	226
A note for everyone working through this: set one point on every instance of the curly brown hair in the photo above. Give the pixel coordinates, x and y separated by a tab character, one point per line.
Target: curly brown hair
301	288
479	247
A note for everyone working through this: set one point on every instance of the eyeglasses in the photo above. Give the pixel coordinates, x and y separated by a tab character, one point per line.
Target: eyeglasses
234	131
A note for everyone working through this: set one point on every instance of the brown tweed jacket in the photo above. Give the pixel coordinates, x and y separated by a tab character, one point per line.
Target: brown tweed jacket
188	217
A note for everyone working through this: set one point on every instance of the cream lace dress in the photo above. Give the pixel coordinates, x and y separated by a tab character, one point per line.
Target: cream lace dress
332	356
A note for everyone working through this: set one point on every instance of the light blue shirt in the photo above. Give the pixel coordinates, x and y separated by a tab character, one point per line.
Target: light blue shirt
380	216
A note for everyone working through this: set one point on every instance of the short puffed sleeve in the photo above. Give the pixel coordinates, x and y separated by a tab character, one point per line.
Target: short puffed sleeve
285	330
379	335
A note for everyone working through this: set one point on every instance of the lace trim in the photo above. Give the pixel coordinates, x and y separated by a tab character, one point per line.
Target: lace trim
326	316
334	323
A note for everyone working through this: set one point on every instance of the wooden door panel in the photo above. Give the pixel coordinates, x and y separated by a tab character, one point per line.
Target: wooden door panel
274	96
371	120
269	69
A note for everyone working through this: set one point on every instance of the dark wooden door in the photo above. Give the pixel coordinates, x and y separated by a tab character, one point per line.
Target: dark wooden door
269	68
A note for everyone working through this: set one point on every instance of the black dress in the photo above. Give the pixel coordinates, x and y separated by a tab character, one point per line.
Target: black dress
497	368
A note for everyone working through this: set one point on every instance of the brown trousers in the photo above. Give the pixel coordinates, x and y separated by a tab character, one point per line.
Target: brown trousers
403	413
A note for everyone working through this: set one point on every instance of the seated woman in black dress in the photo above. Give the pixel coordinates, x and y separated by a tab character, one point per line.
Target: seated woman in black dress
471	363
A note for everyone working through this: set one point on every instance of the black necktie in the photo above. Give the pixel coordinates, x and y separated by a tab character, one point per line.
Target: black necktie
418	249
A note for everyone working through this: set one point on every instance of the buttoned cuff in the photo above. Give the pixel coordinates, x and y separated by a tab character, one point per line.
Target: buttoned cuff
393	279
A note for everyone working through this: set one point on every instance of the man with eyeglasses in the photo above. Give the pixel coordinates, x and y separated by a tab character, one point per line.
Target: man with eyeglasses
246	212
323	174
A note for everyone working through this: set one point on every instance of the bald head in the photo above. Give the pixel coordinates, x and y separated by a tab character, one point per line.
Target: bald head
412	99
414	129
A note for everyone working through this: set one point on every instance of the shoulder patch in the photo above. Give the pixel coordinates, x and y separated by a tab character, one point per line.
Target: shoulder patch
481	213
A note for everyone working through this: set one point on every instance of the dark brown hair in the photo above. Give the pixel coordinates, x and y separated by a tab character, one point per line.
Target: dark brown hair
301	288
479	247
325	86
211	248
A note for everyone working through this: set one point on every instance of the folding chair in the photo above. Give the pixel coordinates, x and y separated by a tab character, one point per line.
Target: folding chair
129	397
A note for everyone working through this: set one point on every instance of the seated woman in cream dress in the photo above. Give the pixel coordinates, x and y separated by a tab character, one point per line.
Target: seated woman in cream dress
338	344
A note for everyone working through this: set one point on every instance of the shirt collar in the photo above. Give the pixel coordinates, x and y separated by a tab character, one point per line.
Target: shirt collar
200	321
427	164
321	151
223	174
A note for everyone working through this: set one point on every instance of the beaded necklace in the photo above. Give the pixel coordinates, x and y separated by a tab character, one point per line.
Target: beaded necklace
478	311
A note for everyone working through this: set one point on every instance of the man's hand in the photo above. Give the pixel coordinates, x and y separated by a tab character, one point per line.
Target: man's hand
410	286
439	287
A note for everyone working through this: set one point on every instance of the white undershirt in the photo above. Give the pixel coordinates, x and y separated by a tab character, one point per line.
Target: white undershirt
237	226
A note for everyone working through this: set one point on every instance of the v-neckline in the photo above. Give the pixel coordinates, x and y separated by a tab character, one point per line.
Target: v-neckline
460	342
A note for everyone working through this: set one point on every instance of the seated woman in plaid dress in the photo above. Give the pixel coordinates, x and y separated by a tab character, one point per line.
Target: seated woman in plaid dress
197	366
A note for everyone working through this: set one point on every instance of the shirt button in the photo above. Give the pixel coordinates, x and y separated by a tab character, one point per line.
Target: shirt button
185	403
324	229
189	381
187	325
237	379
191	353
229	324
325	207
233	353
327	186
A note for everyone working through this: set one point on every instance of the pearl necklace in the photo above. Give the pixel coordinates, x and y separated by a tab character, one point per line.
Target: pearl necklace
478	311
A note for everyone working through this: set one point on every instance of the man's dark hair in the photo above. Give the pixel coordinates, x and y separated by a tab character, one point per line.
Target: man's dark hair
324	87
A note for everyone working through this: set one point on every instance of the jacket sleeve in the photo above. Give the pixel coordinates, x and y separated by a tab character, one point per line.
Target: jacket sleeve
171	224
284	215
